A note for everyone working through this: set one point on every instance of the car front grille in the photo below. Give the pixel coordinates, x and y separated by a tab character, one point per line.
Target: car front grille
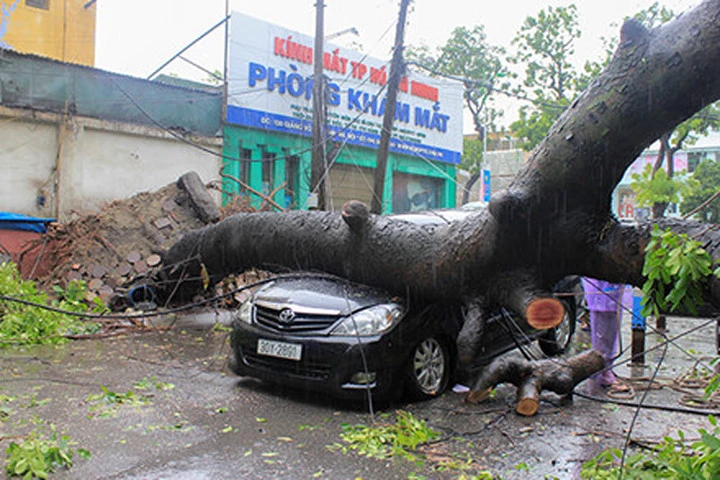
301	323
289	367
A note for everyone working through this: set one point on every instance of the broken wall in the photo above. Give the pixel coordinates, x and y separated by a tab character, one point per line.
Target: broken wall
54	165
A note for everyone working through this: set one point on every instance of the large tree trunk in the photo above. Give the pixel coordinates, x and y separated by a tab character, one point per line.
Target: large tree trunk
552	221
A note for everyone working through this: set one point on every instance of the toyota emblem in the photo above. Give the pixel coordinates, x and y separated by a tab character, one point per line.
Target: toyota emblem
287	316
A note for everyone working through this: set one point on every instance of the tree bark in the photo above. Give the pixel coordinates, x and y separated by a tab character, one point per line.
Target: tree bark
552	221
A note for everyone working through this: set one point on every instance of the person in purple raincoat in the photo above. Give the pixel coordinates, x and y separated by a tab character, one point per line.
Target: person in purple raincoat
604	301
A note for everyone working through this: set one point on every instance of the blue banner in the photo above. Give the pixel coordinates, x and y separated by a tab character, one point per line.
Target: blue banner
280	123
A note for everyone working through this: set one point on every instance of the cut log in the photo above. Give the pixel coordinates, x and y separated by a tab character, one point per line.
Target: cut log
544	313
531	378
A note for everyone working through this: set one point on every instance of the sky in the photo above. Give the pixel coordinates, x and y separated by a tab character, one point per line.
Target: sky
135	37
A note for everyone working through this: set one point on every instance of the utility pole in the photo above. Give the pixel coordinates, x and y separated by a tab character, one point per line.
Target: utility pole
318	165
396	73
225	61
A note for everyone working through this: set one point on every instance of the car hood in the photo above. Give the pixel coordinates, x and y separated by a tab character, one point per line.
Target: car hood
320	295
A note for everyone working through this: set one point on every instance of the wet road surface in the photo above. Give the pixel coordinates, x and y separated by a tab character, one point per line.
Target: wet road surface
188	417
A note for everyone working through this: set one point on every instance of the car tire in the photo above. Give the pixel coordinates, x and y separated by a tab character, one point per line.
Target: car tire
557	340
428	369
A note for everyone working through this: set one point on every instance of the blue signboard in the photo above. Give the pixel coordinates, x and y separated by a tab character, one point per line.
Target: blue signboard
271	83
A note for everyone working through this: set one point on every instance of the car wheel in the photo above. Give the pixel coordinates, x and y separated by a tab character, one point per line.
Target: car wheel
557	340
428	369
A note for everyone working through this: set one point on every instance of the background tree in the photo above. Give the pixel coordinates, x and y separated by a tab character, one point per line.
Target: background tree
703	185
685	134
544	46
469	58
655	187
214	78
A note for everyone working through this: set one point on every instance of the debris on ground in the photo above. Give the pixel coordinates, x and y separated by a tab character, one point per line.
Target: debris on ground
124	241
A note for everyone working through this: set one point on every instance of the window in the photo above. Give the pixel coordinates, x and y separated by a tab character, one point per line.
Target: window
696	158
268	172
245	154
412	193
291	168
44	4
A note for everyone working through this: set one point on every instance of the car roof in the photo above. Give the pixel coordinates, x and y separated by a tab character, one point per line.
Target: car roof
440	216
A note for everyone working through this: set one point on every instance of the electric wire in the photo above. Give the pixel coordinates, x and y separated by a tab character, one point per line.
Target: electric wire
647	406
672	341
361	347
181	138
157	313
525	340
329	138
488	85
637	414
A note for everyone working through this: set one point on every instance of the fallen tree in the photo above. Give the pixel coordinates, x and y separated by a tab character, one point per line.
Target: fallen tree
552	221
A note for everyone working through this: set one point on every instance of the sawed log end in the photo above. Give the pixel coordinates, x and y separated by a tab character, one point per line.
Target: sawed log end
543	313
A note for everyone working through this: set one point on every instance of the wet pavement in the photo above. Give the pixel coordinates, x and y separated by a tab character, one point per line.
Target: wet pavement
188	417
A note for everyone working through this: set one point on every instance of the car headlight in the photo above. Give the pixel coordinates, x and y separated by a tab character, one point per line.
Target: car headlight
245	312
371	321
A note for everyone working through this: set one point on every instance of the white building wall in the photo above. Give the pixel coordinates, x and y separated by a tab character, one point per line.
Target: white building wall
27	161
503	166
88	163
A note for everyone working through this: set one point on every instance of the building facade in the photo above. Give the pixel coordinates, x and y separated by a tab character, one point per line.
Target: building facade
506	161
685	162
267	135
74	138
59	29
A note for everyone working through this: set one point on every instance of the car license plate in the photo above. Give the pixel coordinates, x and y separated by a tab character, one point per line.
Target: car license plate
279	349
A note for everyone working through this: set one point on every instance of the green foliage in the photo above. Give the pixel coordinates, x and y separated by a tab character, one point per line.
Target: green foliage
534	122
545	46
656	187
214	78
149	383
5	411
703	184
472	157
37	457
651	17
670	459
387	440
697	126
105	404
654	16
27	325
676	268
714	382
467	55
